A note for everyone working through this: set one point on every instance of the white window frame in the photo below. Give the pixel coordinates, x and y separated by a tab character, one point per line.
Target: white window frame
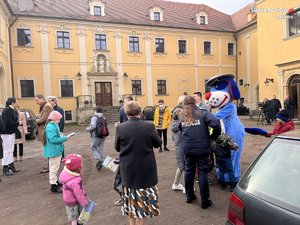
199	14
155	44
187	45
156	86
287	24
142	85
19	87
59	86
234	48
159	10
134	35
105	39
16	41
56	39
211	46
97	3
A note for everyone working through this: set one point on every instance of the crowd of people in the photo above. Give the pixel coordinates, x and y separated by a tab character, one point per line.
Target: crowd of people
195	132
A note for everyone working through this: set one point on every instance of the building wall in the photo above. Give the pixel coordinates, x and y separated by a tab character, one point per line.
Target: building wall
5	74
275	47
44	63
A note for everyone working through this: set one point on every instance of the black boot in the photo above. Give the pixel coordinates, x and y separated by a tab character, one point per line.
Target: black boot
55	188
12	168
6	171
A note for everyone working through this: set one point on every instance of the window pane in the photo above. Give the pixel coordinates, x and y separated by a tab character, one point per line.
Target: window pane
161	87
68	115
294	23
207	48
24	37
230	48
182	46
27	88
156	16
136	86
202	20
133	44
97	10
63	39
159	45
66	87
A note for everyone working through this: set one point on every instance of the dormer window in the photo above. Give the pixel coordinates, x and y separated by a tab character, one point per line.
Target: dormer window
156	13
202	18
97	8
156	16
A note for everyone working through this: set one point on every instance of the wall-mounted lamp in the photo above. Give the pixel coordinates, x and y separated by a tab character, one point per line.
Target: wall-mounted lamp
125	75
268	80
79	75
246	85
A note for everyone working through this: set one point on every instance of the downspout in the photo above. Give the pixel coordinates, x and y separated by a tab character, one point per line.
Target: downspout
236	62
10	56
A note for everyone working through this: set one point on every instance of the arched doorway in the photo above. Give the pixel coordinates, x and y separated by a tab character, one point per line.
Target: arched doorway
294	92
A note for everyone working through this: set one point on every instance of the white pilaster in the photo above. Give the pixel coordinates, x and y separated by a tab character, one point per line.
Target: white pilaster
45	59
148	68
220	55
82	60
119	61
248	66
196	64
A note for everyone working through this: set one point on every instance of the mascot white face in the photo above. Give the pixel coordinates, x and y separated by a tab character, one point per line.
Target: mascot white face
223	90
217	99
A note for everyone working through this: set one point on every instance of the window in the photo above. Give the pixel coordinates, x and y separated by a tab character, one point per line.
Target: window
294	23
156	16
182	46
241	82
66	87
207	87
24	37
27	88
68	115
100	41
202	20
161	87
136	86
63	39
230	48
134	44
207	47
159	45
97	11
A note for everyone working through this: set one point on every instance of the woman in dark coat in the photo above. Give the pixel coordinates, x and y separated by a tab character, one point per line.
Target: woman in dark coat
135	140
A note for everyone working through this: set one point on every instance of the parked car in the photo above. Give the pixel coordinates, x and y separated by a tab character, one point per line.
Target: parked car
269	191
32	126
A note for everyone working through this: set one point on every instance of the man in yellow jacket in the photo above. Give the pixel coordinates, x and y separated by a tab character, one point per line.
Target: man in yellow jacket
162	118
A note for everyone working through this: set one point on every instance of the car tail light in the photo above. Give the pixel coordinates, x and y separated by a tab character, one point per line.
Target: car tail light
236	211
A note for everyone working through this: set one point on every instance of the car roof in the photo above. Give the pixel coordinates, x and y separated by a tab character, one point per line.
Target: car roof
290	134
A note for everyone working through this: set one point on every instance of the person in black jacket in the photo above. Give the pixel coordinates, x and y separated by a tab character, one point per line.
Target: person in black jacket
134	141
11	123
53	101
266	108
196	145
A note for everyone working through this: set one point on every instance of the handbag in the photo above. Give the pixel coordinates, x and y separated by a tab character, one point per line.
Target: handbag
18	134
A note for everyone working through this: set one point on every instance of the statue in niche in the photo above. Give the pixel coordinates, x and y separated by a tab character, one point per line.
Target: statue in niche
102	63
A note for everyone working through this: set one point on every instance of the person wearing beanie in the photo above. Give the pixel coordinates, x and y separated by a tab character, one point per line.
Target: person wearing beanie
283	123
53	148
74	195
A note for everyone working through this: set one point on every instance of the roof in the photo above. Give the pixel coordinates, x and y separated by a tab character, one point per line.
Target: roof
176	15
240	18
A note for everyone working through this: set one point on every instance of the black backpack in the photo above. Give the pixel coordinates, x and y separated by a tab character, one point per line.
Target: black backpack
101	130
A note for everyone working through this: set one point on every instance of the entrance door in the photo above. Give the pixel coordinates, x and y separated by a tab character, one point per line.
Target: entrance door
103	93
295	94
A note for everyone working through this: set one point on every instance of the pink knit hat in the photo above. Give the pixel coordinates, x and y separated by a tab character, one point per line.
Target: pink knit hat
54	115
73	162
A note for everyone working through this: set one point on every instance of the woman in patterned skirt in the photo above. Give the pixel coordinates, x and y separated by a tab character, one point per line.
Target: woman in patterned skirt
134	141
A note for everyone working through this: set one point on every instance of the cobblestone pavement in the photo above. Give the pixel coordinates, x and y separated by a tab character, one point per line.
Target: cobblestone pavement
25	197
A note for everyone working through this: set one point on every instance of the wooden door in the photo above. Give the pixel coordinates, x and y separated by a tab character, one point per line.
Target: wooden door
103	93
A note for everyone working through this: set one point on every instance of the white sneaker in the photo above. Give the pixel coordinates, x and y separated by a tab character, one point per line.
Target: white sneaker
183	191
177	187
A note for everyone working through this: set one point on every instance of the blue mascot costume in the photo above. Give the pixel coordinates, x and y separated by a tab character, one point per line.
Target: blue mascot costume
223	91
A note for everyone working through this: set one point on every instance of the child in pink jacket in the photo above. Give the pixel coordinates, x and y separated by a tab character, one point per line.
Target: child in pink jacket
74	195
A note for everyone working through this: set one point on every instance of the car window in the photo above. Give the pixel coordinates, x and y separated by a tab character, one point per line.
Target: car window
274	176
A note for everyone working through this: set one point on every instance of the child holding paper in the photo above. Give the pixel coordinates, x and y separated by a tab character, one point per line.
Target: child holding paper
74	195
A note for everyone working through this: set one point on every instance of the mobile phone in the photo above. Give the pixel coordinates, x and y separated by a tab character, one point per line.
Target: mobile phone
71	134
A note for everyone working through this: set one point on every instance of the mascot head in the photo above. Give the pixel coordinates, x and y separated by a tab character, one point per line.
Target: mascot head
223	90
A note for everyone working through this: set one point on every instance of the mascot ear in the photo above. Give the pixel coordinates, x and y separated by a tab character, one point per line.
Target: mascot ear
234	90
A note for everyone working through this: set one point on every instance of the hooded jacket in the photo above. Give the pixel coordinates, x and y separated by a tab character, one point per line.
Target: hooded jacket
282	128
73	192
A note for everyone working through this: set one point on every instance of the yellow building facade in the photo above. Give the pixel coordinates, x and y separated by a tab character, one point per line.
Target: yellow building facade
93	52
5	74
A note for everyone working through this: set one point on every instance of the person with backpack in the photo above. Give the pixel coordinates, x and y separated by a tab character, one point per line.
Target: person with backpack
98	130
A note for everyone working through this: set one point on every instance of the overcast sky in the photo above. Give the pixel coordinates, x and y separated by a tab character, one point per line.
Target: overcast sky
226	6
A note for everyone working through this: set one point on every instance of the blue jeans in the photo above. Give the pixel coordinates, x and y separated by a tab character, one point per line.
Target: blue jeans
225	166
97	147
190	163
